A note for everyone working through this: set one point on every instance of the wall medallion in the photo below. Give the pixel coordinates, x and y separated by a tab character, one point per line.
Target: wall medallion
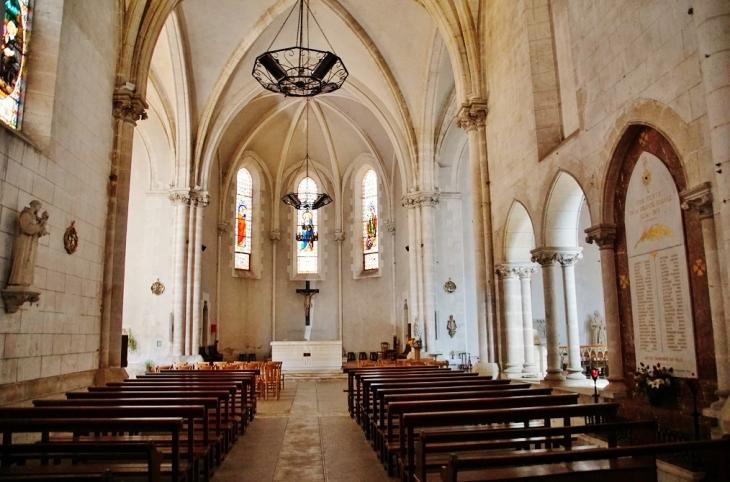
71	239
157	287
449	286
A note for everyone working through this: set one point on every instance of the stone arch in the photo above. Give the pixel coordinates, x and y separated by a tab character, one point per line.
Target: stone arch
519	235
560	221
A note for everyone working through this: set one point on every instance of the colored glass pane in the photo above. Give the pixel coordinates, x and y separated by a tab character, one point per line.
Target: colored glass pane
243	221
307	229
370	220
13	55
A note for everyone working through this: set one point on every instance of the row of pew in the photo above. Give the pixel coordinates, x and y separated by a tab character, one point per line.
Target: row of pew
430	424
172	425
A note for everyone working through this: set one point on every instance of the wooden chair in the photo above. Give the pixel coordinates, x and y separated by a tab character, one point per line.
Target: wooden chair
279	374
181	366
158	368
271	380
205	366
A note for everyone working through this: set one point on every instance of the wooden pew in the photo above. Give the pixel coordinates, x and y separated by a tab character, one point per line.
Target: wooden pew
434	447
66	457
380	425
409	422
637	462
44	426
351	372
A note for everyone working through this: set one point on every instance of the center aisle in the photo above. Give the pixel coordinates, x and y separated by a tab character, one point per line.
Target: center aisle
305	436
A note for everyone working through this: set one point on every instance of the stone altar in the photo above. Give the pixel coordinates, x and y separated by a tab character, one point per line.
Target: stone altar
307	355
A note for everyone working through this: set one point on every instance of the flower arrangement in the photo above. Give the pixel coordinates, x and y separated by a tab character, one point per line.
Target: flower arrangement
416	341
658	384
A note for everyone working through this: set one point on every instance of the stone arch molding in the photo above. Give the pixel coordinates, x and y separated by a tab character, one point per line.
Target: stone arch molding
519	235
562	214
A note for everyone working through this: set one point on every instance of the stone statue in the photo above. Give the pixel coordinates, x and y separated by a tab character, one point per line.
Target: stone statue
451	326
31	227
598	329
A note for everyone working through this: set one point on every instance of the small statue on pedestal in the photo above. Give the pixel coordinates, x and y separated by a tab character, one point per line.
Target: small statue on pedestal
20	288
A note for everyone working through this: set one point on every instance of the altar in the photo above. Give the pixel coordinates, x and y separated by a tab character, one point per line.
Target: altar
307	355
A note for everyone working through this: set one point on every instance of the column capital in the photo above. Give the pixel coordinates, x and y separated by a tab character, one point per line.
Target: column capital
568	258
339	235
525	272
416	199
199	199
179	197
506	271
546	255
698	197
223	227
128	106
604	235
275	235
542	257
472	116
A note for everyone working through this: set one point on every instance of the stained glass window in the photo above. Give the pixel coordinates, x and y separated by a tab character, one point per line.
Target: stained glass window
15	36
307	229
244	220
370	220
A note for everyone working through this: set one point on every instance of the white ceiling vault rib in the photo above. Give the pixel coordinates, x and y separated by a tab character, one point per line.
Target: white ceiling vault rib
183	127
336	180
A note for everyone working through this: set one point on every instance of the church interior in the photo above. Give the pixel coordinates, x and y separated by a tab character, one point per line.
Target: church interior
530	188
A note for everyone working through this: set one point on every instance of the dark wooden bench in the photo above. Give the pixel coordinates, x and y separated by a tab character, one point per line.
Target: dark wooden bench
77	461
433	447
637	462
410	422
351	372
44	426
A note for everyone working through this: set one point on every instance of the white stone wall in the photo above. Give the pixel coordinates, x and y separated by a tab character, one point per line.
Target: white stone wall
58	339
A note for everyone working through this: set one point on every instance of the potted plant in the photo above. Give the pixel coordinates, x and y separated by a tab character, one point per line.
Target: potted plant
149	365
658	384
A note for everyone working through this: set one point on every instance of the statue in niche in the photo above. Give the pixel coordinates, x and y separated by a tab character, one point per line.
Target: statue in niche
31	226
451	326
598	329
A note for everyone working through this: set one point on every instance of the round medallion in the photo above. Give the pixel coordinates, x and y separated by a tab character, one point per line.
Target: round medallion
449	286
157	287
71	239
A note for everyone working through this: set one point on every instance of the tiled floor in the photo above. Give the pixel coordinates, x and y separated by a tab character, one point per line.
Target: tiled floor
305	436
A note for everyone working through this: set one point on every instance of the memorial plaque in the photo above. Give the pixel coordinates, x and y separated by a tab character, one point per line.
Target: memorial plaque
660	297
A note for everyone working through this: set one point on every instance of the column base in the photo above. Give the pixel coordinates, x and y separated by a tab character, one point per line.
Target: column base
575	374
554	375
486	369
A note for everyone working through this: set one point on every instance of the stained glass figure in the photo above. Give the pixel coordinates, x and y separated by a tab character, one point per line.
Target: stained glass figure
307	229
13	51
244	200
370	220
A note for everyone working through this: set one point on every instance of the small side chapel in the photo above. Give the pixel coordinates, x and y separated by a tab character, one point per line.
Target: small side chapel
533	187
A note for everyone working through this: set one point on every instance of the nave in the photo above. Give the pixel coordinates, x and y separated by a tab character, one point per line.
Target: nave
305	436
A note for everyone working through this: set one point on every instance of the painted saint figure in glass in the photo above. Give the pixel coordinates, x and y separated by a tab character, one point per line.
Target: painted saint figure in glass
306	229
13	50
243	221
370	220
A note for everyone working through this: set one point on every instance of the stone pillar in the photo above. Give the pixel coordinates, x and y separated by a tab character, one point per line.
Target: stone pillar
222	229
700	198
545	259
413	302
189	275
428	201
604	235
128	108
511	315
201	201
339	237
274	236
525	273
472	118
711	18
567	260
181	200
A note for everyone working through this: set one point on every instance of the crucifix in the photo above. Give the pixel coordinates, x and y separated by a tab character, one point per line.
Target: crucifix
307	293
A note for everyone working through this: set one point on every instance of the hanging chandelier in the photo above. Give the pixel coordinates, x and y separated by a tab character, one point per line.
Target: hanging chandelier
300	71
306	200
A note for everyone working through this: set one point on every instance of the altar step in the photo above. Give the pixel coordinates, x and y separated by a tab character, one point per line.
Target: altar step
314	375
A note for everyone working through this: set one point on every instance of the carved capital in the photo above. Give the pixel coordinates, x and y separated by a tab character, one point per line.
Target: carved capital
180	197
604	235
568	259
199	199
525	272
223	227
417	199
699	198
128	106
472	116
506	271
544	258
339	235
275	235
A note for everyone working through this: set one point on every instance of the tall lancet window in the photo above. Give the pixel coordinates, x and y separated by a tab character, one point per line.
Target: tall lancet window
370	221
244	219
307	229
14	49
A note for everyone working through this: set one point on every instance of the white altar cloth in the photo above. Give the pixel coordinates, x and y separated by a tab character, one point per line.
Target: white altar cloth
307	355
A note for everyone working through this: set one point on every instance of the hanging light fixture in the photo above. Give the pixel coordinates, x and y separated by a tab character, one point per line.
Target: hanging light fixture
308	201
300	71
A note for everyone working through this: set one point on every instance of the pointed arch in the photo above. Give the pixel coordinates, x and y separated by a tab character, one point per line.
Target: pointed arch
519	235
562	214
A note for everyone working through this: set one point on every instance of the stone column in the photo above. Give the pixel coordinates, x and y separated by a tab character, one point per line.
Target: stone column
413	302
428	201
274	236
545	259
472	118
339	237
222	228
511	311
567	260
201	201
604	235
700	198
181	200
525	274
189	275
128	108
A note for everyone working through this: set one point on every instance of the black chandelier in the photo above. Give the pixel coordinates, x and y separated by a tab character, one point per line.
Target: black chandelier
307	201
300	71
